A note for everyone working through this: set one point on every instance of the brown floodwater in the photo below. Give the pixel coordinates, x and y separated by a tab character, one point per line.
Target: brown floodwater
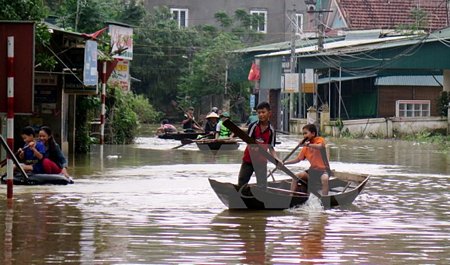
148	204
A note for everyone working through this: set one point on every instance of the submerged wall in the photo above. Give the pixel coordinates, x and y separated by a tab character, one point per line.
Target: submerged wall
377	127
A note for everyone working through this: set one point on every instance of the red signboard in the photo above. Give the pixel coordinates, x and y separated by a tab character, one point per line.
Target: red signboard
23	33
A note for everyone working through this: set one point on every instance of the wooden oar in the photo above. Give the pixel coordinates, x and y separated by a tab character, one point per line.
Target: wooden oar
174	103
287	157
246	138
188	141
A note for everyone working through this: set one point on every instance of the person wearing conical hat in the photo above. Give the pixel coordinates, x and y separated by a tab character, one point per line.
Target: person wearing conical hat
211	123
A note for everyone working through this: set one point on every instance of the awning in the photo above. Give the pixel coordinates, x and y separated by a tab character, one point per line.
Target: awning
332	79
409	80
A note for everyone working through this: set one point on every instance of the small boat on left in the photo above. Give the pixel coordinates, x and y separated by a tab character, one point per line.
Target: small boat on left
180	135
39	179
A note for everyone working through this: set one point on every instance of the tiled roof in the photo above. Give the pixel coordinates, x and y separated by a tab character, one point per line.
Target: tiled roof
389	14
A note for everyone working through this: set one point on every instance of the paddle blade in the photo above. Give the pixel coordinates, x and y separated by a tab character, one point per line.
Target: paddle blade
183	143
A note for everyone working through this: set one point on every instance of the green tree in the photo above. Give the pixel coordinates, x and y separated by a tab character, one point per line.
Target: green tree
242	25
212	62
209	66
33	10
161	56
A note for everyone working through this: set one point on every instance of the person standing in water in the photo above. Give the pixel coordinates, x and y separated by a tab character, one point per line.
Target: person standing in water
264	135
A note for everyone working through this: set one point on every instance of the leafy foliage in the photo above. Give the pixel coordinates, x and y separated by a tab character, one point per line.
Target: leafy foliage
123	121
209	66
87	110
161	54
419	16
32	10
443	103
144	110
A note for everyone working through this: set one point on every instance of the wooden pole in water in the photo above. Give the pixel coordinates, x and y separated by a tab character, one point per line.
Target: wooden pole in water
10	116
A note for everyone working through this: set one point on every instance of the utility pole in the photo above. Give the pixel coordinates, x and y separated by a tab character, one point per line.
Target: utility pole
77	15
320	28
293	62
320	24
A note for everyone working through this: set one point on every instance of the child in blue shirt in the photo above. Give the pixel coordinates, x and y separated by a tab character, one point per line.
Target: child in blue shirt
32	153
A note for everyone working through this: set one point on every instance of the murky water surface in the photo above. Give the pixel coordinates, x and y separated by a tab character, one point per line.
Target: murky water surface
148	204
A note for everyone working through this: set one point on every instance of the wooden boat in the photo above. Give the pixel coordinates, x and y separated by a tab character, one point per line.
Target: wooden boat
180	135
344	188
39	179
217	144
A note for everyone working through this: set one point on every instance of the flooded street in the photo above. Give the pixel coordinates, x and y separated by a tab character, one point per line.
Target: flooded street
148	204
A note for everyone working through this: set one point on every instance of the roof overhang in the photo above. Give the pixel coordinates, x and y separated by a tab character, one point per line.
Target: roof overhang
410	80
333	79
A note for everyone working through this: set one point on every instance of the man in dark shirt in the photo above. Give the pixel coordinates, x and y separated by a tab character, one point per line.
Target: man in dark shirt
189	123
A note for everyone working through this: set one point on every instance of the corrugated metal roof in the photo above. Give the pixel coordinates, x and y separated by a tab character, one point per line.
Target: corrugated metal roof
326	80
409	80
332	47
353	45
286	46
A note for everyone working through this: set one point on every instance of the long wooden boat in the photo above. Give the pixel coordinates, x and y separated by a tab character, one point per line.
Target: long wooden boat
344	188
180	135
39	179
217	144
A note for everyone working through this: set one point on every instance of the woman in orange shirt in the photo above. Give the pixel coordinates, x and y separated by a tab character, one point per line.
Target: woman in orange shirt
314	151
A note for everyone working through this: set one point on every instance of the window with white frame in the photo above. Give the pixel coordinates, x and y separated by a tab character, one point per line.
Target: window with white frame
299	23
260	21
412	108
181	16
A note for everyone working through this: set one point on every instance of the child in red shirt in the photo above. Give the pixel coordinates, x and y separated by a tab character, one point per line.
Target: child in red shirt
313	151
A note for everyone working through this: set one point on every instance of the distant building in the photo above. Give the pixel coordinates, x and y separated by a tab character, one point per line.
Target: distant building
426	15
276	14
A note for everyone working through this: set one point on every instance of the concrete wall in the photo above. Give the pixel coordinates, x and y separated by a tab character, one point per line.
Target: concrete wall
202	12
378	127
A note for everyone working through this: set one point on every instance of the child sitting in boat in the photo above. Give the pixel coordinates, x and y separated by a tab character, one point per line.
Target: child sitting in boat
32	153
315	152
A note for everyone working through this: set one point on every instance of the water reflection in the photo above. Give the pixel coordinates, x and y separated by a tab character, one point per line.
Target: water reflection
149	204
36	231
272	237
8	236
312	241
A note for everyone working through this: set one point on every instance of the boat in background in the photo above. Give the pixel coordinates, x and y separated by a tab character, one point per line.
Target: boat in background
344	188
180	135
217	144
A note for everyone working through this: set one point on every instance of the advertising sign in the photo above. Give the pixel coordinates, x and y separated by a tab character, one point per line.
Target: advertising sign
121	42
90	73
309	77
291	83
252	101
120	76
